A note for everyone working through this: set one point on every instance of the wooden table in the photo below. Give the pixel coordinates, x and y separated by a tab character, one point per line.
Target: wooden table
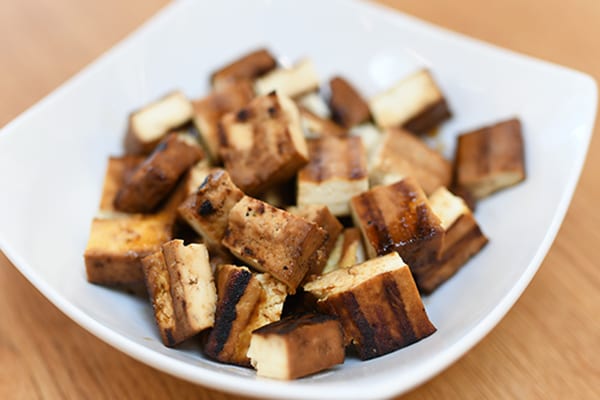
547	347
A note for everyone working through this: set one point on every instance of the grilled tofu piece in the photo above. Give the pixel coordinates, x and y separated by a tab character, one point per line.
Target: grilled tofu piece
377	303
315	126
398	217
118	170
463	239
273	240
293	82
337	170
207	209
150	124
347	105
314	103
262	144
157	176
415	103
209	110
297	346
248	67
321	216
246	301
403	154
181	287
490	158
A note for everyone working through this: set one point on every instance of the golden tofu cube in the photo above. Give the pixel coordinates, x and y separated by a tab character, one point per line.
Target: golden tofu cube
347	105
297	346
182	290
150	124
415	103
262	145
403	154
273	240
377	303
463	239
246	301
337	170
398	218
490	158
209	110
247	67
293	82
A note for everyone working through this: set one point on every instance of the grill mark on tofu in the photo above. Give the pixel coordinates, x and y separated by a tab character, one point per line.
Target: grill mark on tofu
394	299
367	339
331	157
376	224
206	208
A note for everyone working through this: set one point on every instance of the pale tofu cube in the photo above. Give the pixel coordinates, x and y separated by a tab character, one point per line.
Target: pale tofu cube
293	82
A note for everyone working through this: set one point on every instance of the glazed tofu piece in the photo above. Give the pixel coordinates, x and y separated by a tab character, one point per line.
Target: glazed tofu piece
248	67
181	287
321	216
207	209
347	105
118	170
403	154
415	103
150	124
158	175
337	170
262	145
490	158
398	218
463	239
293	82
273	240
315	126
297	346
117	245
377	303
209	110
246	301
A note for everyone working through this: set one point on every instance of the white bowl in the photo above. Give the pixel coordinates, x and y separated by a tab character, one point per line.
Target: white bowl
53	157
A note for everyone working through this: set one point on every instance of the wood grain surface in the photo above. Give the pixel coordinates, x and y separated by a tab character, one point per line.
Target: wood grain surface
547	347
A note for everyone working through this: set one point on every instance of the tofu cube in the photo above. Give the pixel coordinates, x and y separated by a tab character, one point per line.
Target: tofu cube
347	105
490	158
403	154
463	239
182	290
415	103
150	124
273	240
209	110
158	175
246	301
377	303
262	144
207	209
297	346
247	67
118	170
337	170
293	82
398	218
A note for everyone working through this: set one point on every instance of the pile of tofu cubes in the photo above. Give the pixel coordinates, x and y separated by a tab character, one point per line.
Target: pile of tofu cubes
281	229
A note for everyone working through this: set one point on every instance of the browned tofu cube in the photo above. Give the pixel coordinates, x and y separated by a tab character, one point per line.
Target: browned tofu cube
262	144
377	303
416	103
297	346
463	239
315	126
398	217
273	240
118	170
158	175
209	110
150	124
116	246
347	105
293	82
247	67
337	170
182	290
490	158
246	301
321	216
402	154
207	209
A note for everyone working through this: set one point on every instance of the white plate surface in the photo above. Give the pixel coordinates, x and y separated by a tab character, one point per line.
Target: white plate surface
52	160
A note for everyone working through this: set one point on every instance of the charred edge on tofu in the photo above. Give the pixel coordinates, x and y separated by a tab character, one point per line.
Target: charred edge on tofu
366	339
374	219
206	208
396	303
